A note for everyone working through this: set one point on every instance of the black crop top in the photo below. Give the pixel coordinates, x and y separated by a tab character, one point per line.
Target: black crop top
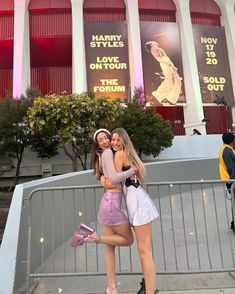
129	182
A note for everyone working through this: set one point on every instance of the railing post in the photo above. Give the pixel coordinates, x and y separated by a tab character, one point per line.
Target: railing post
28	270
233	201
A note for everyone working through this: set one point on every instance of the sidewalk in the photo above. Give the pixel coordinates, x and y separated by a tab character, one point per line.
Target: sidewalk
201	291
214	283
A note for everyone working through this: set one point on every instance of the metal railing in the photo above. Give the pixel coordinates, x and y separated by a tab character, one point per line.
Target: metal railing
192	234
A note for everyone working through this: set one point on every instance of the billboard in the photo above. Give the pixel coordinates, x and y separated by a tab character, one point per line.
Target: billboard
213	64
107	64
162	64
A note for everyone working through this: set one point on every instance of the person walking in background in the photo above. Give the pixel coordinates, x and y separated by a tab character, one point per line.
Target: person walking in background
116	224
140	207
227	163
196	132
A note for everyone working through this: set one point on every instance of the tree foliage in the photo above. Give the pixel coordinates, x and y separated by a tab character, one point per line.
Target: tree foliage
16	134
45	144
14	128
73	119
149	132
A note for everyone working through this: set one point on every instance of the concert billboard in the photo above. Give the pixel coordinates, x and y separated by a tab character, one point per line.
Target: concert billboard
162	63
107	63
213	64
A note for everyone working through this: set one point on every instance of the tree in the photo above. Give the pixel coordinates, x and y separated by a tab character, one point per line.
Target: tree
73	119
149	132
14	128
16	134
45	144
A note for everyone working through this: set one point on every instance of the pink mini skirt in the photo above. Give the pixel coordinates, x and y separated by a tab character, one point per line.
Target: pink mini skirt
110	212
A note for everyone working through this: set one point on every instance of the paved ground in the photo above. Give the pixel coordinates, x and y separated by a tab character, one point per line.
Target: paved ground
216	283
208	291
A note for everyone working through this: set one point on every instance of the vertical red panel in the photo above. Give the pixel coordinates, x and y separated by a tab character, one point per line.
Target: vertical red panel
175	116
52	80
55	77
104	15
50	23
49	4
6	26
218	119
104	4
6	77
152	15
167	5
159	11
104	10
204	19
6	5
204	7
6	37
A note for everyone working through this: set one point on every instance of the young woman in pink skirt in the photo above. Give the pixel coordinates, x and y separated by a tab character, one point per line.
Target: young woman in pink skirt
116	224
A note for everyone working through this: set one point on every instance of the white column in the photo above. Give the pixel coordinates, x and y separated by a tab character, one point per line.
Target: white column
79	82
193	112
21	58
228	21
134	43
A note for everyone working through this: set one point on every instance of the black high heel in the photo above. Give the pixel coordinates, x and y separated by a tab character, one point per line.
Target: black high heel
142	289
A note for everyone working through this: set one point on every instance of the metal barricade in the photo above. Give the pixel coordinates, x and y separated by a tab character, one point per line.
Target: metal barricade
192	234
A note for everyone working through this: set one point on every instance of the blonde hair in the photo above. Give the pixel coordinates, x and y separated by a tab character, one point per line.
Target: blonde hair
131	154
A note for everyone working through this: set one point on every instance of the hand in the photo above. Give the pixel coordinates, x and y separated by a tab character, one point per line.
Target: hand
155	44
135	169
106	183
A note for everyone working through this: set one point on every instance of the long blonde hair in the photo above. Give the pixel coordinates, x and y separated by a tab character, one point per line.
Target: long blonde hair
131	154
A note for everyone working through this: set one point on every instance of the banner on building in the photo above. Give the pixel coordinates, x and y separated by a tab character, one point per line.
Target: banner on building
213	64
162	63
107	58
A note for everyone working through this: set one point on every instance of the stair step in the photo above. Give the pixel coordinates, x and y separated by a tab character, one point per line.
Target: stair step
5	202
4	209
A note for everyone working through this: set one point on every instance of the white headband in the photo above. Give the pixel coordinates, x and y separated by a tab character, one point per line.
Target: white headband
99	131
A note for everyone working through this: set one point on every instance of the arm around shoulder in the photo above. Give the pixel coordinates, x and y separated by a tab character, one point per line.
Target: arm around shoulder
110	170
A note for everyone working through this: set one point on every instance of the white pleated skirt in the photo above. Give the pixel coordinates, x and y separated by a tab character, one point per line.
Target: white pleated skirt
140	207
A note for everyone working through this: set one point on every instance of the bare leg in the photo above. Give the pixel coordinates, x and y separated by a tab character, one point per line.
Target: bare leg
120	235
109	257
144	242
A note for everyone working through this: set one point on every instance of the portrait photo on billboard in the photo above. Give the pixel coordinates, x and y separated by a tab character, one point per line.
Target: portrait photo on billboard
162	63
213	64
107	65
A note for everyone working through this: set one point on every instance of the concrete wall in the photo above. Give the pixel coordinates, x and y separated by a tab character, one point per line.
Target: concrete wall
183	147
187	147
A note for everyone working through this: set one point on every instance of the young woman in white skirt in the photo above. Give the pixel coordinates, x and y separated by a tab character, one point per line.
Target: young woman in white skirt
140	207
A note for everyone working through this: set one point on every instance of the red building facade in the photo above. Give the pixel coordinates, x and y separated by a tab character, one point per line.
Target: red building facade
51	47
